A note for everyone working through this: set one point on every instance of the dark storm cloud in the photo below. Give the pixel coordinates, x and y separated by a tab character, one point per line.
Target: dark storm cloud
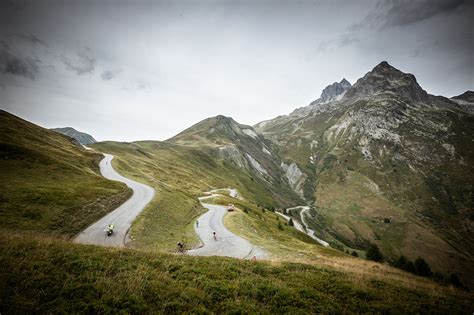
405	12
11	64
81	62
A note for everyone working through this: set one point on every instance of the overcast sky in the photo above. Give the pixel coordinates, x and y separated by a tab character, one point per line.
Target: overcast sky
135	70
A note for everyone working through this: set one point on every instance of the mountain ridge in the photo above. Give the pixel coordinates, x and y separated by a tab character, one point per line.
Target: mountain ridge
81	137
399	153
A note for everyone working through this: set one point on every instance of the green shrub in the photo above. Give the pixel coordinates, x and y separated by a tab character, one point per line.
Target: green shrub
422	268
373	253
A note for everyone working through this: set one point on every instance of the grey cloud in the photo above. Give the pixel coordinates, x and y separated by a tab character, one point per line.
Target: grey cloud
11	64
82	62
347	39
29	38
341	41
405	12
4	45
108	75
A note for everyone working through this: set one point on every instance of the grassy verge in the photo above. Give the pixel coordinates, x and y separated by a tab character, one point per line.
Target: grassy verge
42	275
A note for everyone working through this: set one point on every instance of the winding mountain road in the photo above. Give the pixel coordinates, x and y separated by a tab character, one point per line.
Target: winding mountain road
300	227
227	243
123	216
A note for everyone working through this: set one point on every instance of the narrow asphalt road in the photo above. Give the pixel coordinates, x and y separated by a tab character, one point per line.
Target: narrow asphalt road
123	216
226	243
300	227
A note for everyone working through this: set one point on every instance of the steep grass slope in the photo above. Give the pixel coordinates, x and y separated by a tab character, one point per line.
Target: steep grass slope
42	275
49	184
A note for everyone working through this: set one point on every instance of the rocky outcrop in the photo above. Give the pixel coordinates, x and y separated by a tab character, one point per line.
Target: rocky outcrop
334	91
295	177
331	93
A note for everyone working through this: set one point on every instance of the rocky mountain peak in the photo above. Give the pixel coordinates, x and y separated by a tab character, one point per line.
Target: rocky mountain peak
331	92
384	78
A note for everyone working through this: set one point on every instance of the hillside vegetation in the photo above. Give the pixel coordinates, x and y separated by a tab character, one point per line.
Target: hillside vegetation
180	174
49	183
42	275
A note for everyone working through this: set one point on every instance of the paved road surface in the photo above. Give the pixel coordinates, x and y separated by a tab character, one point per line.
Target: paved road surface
299	227
123	216
227	244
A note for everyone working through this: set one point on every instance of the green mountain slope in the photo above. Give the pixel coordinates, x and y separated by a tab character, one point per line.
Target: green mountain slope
387	164
224	139
49	184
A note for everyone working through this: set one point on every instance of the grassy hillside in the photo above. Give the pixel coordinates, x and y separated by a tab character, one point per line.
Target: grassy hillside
49	183
180	175
42	275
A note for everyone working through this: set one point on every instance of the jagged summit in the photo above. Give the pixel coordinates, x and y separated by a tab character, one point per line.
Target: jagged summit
384	78
330	93
333	91
383	65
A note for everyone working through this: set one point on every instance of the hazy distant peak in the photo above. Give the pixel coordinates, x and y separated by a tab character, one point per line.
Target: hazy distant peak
345	83
81	137
331	92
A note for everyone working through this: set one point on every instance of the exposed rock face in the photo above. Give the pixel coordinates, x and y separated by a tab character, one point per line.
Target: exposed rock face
81	137
333	91
295	177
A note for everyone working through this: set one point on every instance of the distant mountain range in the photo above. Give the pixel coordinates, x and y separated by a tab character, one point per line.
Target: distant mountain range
81	137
